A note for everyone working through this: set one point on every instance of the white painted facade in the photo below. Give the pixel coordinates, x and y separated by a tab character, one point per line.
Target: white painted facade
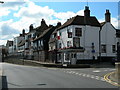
90	34
16	42
108	38
11	50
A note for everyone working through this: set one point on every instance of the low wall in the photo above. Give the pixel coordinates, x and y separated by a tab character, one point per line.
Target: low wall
117	65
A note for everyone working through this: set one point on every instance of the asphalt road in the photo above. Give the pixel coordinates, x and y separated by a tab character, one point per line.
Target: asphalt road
18	76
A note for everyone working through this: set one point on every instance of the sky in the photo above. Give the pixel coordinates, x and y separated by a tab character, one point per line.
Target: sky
17	15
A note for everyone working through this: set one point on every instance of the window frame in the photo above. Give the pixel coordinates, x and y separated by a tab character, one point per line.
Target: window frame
78	32
103	48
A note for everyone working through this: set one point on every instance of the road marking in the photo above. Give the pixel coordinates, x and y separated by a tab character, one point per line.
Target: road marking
76	73
97	78
110	81
86	75
96	71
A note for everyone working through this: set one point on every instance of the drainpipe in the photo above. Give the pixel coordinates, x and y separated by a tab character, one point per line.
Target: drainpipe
100	44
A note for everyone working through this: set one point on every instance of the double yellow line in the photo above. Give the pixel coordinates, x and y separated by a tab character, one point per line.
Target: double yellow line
106	77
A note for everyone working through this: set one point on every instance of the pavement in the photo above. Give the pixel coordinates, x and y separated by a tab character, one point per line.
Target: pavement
48	64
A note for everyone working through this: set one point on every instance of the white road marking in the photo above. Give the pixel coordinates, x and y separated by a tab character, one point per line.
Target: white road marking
87	75
84	75
102	79
97	78
76	73
97	71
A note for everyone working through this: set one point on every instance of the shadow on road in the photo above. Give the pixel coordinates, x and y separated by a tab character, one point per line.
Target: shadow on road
4	83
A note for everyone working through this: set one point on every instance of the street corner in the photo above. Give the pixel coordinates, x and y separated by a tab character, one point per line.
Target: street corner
110	78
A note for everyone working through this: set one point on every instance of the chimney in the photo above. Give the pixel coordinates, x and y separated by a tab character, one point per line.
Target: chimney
30	27
86	14
58	24
23	31
107	16
43	22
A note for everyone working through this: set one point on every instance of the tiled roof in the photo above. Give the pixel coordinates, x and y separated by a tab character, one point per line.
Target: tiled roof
21	43
9	43
53	39
79	20
102	23
43	33
118	33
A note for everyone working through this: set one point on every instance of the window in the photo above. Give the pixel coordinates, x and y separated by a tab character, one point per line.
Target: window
68	43
103	48
76	42
60	34
113	48
66	56
78	31
59	56
59	45
69	34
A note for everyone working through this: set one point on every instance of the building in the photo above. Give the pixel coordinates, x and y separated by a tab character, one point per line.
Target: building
21	44
3	52
41	46
9	47
16	43
53	45
29	37
107	39
78	39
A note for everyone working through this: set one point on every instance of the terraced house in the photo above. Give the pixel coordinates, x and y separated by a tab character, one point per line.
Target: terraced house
41	46
79	40
83	38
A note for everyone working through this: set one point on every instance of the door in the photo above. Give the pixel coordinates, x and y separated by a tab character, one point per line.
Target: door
73	58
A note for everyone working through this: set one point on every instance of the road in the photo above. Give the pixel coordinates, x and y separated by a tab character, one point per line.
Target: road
18	76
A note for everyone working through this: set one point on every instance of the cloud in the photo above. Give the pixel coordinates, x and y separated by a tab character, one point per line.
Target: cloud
34	11
3	42
8	30
28	12
6	8
114	21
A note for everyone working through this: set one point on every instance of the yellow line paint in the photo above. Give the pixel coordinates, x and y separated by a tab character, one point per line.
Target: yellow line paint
110	81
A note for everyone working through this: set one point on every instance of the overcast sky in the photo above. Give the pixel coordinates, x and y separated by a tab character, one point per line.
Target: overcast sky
17	15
